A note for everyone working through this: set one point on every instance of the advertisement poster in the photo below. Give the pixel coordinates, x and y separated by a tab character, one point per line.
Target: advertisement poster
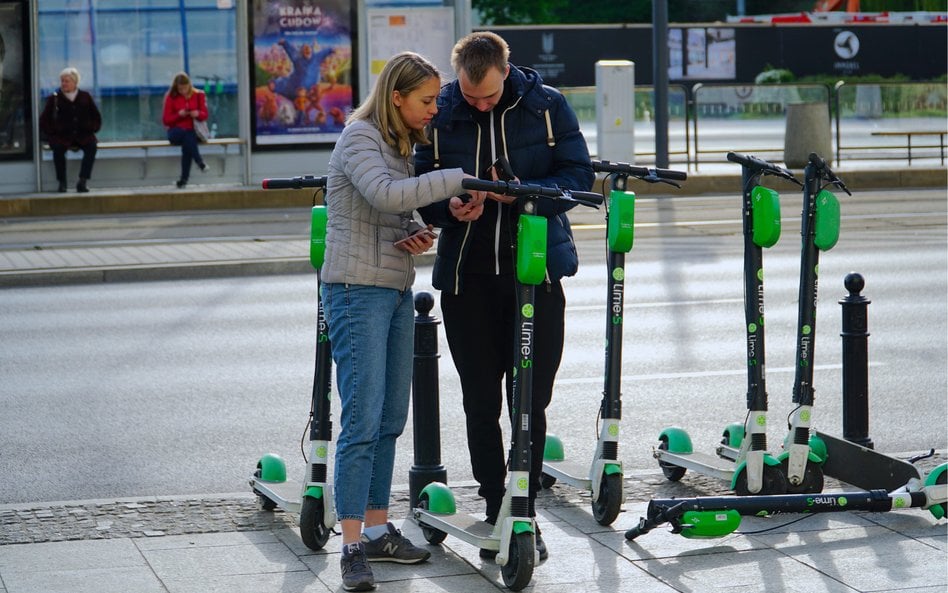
14	141
425	30
302	70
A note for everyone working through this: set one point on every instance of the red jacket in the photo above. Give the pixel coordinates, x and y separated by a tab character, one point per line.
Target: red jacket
175	103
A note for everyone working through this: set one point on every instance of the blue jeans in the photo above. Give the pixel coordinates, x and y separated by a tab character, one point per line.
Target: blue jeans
188	141
372	334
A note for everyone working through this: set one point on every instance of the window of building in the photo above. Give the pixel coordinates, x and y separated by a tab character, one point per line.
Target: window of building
128	52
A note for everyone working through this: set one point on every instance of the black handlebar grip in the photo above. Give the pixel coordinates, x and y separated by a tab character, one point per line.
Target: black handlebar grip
626	168
753	162
588	197
672	175
294	182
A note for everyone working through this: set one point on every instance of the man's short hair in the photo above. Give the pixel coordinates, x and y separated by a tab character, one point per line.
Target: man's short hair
477	52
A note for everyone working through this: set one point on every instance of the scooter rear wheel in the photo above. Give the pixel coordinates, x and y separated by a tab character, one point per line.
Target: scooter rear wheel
432	536
265	503
672	472
519	568
607	506
313	530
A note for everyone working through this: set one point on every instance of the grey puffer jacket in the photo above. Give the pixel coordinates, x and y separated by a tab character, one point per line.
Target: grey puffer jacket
370	196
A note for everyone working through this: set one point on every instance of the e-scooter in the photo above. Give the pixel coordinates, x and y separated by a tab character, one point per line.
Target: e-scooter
717	516
603	477
820	231
312	498
754	470
513	534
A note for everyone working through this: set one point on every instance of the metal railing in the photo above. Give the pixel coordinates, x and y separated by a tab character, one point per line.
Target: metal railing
866	121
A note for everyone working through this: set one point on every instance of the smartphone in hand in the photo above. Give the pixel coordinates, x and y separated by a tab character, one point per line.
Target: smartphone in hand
422	233
503	169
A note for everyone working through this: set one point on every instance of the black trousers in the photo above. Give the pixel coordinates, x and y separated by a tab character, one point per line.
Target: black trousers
59	160
482	332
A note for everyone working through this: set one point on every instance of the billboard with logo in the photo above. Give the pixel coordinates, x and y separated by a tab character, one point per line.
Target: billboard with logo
564	55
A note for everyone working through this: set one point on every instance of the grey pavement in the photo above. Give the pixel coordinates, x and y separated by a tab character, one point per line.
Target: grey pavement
224	542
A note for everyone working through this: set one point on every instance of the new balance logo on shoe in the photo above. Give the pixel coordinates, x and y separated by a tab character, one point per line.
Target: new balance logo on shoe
394	547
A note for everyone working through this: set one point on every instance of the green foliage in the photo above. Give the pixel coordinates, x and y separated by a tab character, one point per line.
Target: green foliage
774	75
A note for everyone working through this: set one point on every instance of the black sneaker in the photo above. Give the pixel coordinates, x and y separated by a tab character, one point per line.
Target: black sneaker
541	547
356	573
181	183
394	547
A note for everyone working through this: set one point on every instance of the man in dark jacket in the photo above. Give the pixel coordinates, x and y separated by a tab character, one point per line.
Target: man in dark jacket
69	121
495	109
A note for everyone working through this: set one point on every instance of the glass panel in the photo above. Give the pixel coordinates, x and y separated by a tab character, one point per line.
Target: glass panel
128	51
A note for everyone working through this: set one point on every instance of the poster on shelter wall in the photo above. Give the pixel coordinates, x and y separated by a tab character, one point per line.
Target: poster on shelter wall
15	143
303	74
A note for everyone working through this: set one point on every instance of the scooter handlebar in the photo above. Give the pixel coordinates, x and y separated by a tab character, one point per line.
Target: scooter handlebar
639	172
294	182
752	162
509	188
821	166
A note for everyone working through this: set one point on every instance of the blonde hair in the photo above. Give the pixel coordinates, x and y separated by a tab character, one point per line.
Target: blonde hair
478	52
71	73
181	78
404	73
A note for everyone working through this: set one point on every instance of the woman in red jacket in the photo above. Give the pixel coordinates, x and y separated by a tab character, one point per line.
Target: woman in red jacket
184	104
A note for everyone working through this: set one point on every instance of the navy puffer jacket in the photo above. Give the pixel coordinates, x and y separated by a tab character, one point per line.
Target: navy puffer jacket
541	139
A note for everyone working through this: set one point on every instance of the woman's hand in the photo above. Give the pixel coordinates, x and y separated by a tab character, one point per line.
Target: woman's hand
468	207
195	113
419	242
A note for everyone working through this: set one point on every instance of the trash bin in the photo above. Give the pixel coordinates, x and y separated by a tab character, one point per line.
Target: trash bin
808	130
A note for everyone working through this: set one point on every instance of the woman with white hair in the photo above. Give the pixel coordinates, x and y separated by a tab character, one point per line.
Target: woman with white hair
69	121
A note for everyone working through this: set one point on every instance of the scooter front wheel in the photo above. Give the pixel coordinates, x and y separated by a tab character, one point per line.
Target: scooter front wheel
519	568
313	530
812	478
774	482
607	506
432	536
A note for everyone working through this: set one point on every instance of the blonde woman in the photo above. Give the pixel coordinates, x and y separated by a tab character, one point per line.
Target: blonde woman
367	276
184	104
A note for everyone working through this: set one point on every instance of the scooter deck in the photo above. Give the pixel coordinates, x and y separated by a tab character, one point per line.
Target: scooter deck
863	467
462	526
568	472
702	463
286	495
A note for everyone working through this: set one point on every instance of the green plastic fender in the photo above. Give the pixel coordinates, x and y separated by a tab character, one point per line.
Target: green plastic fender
523	527
315	492
768	460
317	237
811	457
272	468
818	448
765	205
826	222
705	524
937	477
531	249
678	440
440	498
735	434
620	232
553	448
612	468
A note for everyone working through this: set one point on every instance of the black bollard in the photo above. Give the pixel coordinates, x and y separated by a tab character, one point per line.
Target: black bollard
426	421
855	336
